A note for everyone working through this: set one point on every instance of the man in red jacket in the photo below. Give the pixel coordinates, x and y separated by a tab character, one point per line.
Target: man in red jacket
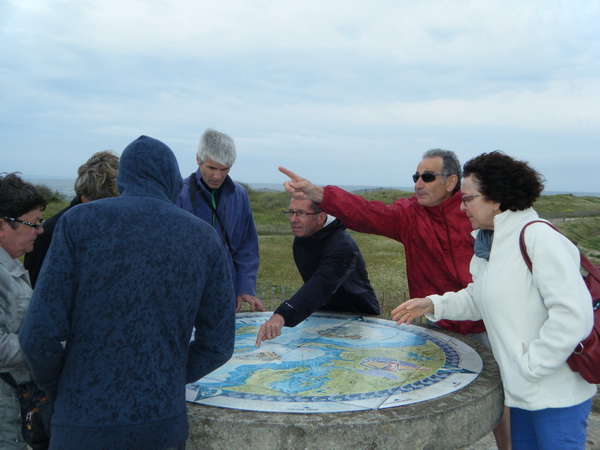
436	235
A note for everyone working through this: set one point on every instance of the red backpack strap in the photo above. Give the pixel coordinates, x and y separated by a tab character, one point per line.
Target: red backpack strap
592	270
524	247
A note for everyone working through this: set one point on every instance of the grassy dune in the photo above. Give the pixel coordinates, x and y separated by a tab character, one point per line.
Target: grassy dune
577	217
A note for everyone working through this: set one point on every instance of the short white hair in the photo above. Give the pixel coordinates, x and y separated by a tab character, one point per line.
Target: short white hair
217	146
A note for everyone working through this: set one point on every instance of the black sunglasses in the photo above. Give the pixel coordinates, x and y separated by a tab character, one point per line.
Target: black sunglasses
427	177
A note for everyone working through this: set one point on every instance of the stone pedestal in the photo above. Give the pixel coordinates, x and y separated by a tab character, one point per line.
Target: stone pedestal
451	421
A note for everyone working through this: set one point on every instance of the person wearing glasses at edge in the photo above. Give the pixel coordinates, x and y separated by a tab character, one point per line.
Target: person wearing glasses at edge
534	318
211	194
21	207
332	268
436	235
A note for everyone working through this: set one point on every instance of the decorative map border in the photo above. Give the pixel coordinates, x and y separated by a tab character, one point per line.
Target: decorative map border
297	348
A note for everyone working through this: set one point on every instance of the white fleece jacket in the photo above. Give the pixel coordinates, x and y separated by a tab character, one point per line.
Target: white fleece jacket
534	321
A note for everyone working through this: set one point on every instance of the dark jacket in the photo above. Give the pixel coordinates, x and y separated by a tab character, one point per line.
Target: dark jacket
334	274
34	259
236	216
437	241
124	282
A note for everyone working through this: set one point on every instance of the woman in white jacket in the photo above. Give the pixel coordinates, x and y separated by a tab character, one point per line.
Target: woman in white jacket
534	320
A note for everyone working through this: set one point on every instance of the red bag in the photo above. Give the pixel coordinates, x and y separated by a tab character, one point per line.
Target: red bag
585	359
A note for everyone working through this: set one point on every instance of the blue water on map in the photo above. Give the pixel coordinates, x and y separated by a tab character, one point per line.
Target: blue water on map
310	355
334	363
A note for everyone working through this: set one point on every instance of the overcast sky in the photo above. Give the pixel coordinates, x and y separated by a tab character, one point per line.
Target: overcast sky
348	92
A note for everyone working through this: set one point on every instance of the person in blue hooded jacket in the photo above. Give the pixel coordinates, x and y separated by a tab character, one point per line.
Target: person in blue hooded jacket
212	195
107	334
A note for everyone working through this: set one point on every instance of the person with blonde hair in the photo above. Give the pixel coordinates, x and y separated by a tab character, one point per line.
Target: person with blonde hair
96	179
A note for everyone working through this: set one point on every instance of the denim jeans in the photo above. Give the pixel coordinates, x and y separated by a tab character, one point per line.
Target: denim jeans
551	428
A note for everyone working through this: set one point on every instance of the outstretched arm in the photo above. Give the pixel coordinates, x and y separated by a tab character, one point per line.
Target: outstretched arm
300	188
355	212
412	309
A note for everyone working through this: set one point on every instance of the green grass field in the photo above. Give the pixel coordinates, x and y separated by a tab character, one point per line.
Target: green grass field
278	277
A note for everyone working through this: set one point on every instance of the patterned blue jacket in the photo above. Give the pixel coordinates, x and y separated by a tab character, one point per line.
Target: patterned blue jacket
127	280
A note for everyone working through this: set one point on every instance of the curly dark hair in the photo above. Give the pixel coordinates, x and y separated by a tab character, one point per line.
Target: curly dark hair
17	197
510	182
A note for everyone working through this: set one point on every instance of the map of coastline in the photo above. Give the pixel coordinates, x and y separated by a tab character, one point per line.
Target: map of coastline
334	363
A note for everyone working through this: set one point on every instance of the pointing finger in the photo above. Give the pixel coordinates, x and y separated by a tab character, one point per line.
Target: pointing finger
292	176
259	337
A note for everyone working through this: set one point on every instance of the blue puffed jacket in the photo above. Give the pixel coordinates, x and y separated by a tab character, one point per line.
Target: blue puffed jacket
236	215
127	279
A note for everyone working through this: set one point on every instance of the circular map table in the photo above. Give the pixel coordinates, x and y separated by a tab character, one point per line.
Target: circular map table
336	363
374	374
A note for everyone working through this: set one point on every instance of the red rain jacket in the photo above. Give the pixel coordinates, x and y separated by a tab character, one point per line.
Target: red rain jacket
437	241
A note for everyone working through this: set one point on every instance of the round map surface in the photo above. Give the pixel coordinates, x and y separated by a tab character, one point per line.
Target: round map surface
336	363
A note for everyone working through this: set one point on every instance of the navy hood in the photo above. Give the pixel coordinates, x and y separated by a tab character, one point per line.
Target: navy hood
148	167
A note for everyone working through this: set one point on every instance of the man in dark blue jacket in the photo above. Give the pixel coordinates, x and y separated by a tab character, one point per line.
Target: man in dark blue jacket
126	281
212	195
332	267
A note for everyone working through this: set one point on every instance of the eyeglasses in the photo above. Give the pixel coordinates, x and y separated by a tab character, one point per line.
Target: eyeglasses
300	214
467	198
37	226
427	177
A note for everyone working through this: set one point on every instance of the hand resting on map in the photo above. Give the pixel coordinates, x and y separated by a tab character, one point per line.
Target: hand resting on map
412	309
